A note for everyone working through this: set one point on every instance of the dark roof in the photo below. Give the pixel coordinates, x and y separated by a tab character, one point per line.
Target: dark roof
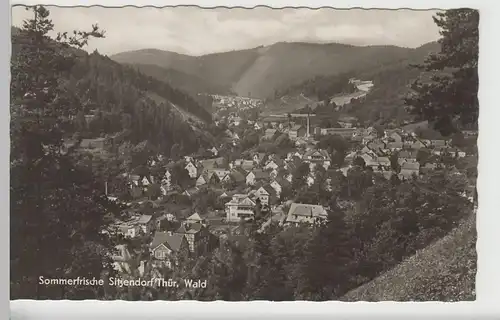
172	241
259	174
237	176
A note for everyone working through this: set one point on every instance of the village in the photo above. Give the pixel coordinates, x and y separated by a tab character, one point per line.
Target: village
217	194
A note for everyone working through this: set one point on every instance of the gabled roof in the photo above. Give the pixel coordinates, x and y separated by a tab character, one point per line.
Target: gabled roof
237	175
194	217
212	163
144	219
408	154
302	209
171	241
314	152
260	174
410	166
383	160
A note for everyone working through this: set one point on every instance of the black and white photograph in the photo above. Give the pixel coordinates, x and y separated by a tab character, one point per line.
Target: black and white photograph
242	154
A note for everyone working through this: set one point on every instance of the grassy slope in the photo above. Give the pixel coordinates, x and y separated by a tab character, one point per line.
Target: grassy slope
444	271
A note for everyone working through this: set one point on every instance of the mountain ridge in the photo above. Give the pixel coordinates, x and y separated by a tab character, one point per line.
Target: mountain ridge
262	70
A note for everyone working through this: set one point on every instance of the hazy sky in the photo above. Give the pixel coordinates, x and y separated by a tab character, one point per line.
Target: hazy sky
195	31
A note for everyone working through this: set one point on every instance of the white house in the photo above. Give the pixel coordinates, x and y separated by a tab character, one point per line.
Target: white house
192	170
240	206
271	165
262	194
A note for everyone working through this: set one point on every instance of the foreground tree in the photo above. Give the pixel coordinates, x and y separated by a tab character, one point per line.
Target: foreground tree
452	92
57	207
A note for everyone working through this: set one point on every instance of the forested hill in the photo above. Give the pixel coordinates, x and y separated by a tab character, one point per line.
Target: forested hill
320	87
177	79
121	99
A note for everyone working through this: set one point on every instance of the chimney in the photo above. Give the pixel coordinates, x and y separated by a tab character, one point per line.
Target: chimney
106	187
307	133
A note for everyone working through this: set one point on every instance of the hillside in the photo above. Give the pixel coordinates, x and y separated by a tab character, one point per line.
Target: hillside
122	100
444	271
391	84
179	80
262	71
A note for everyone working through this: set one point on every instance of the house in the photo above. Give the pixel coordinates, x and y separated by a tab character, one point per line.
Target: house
194	218
146	182
262	194
198	237
407	156
122	259
212	163
438	143
395	146
269	134
271	165
384	162
220	173
256	175
305	213
167	246
438	150
314	157
214	151
258	158
387	174
345	170
129	230
202	179
236	176
297	131
247	165
146	223
369	159
344	132
240	206
417	145
377	146
409	169
394	137
192	170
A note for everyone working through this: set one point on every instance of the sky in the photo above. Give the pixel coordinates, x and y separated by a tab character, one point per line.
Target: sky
196	31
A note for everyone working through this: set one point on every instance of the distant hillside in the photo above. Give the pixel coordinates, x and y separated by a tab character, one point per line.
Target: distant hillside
120	99
182	81
391	84
262	71
444	271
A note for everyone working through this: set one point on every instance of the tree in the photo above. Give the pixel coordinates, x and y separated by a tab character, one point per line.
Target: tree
55	202
180	176
452	92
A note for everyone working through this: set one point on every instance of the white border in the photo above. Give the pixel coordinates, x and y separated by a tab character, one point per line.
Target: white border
488	279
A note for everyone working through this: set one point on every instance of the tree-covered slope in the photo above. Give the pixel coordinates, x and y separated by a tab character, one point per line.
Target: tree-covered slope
120	100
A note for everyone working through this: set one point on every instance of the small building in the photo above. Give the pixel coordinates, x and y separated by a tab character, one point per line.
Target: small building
409	170
192	170
305	213
297	131
166	247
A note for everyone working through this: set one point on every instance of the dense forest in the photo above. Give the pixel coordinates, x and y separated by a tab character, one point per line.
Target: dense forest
123	100
321	87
